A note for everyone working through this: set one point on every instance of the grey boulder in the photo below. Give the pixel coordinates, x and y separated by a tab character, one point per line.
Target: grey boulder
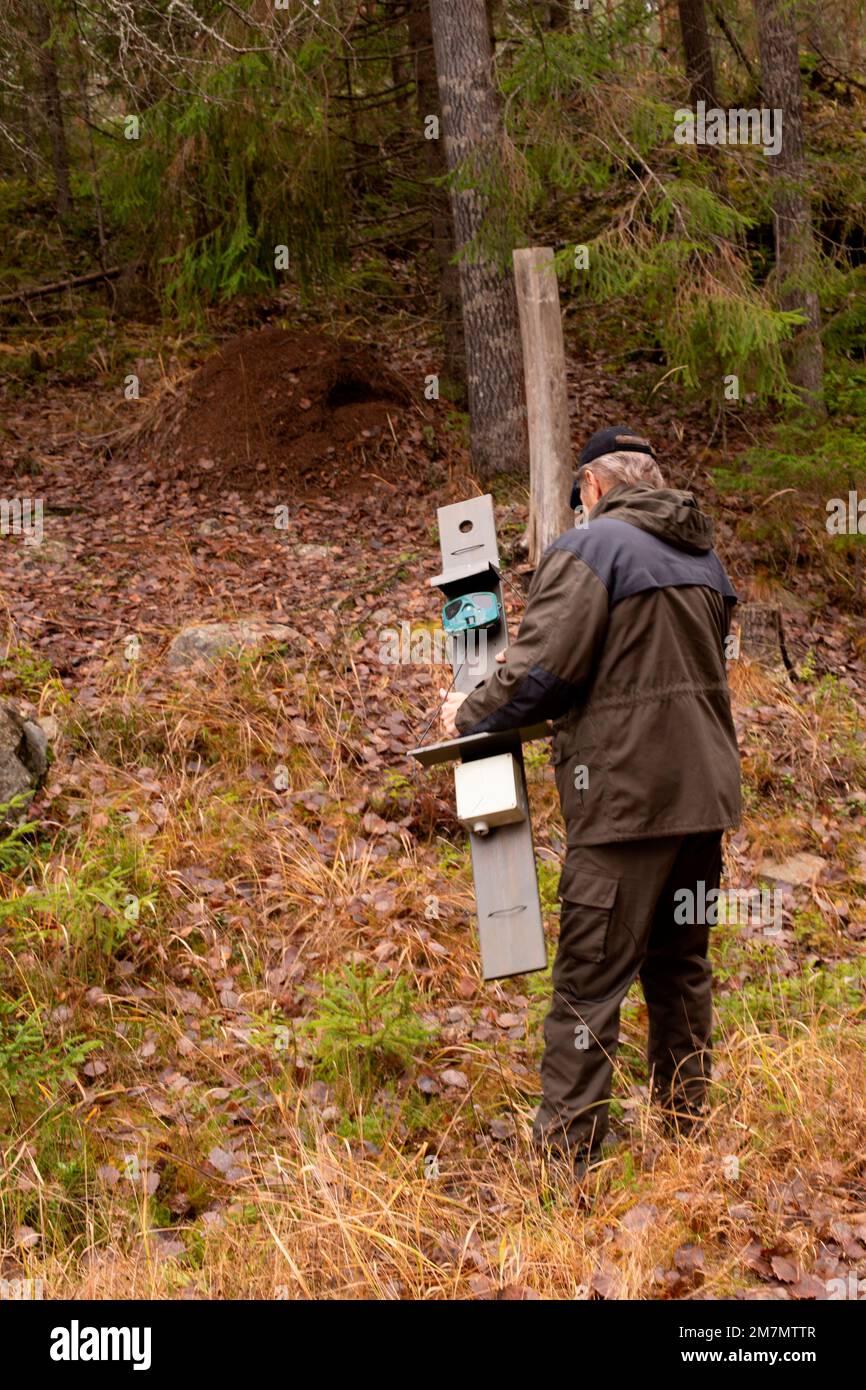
23	761
207	642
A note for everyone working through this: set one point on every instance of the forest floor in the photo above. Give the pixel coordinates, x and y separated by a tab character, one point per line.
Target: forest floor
247	1049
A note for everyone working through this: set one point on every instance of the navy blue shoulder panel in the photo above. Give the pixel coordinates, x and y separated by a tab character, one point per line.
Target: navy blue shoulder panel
630	561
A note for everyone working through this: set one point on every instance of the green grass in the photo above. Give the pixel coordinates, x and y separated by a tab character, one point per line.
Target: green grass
812	461
775	1002
392	1117
97	897
29	673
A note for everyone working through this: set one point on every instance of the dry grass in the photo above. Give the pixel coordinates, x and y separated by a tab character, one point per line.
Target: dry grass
313	1218
203	1151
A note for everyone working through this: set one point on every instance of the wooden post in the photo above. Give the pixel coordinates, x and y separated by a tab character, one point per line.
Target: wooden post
550	465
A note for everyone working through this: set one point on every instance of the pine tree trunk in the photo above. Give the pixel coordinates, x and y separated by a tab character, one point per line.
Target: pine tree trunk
473	144
53	108
697	52
427	98
796	257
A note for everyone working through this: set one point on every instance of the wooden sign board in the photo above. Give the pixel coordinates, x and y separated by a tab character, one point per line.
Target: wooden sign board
510	927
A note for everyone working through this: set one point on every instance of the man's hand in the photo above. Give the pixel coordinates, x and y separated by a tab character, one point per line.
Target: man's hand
451	704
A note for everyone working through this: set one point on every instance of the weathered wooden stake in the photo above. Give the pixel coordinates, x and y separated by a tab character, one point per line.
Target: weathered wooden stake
550	465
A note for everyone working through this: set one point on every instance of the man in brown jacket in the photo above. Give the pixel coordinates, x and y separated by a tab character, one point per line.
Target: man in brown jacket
623	645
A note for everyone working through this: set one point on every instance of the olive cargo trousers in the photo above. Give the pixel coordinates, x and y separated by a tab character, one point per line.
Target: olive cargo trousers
617	922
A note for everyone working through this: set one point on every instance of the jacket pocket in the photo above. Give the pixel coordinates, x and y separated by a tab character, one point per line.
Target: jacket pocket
587	907
580	769
570	737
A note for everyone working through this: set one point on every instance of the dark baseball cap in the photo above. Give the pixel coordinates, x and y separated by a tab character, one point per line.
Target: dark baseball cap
612	440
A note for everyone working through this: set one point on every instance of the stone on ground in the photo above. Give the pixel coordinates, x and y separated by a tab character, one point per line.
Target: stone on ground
23	760
205	643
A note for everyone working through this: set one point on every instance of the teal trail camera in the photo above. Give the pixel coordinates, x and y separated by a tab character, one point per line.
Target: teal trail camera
471	611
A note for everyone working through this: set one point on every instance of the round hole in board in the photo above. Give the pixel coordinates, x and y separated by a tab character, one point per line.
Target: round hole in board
465	526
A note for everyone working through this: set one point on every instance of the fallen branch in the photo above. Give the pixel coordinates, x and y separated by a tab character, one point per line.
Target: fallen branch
37	291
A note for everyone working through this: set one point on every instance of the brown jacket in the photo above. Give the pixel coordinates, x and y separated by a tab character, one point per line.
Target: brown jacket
622	644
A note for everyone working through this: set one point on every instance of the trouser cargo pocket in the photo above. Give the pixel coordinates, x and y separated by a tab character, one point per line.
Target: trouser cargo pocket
587	908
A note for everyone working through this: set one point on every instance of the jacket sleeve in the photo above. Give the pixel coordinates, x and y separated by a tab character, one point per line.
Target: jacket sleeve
544	670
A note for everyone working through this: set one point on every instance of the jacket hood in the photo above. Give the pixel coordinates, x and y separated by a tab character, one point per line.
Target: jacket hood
672	516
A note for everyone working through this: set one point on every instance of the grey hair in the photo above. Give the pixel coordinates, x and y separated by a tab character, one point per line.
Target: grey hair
627	467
